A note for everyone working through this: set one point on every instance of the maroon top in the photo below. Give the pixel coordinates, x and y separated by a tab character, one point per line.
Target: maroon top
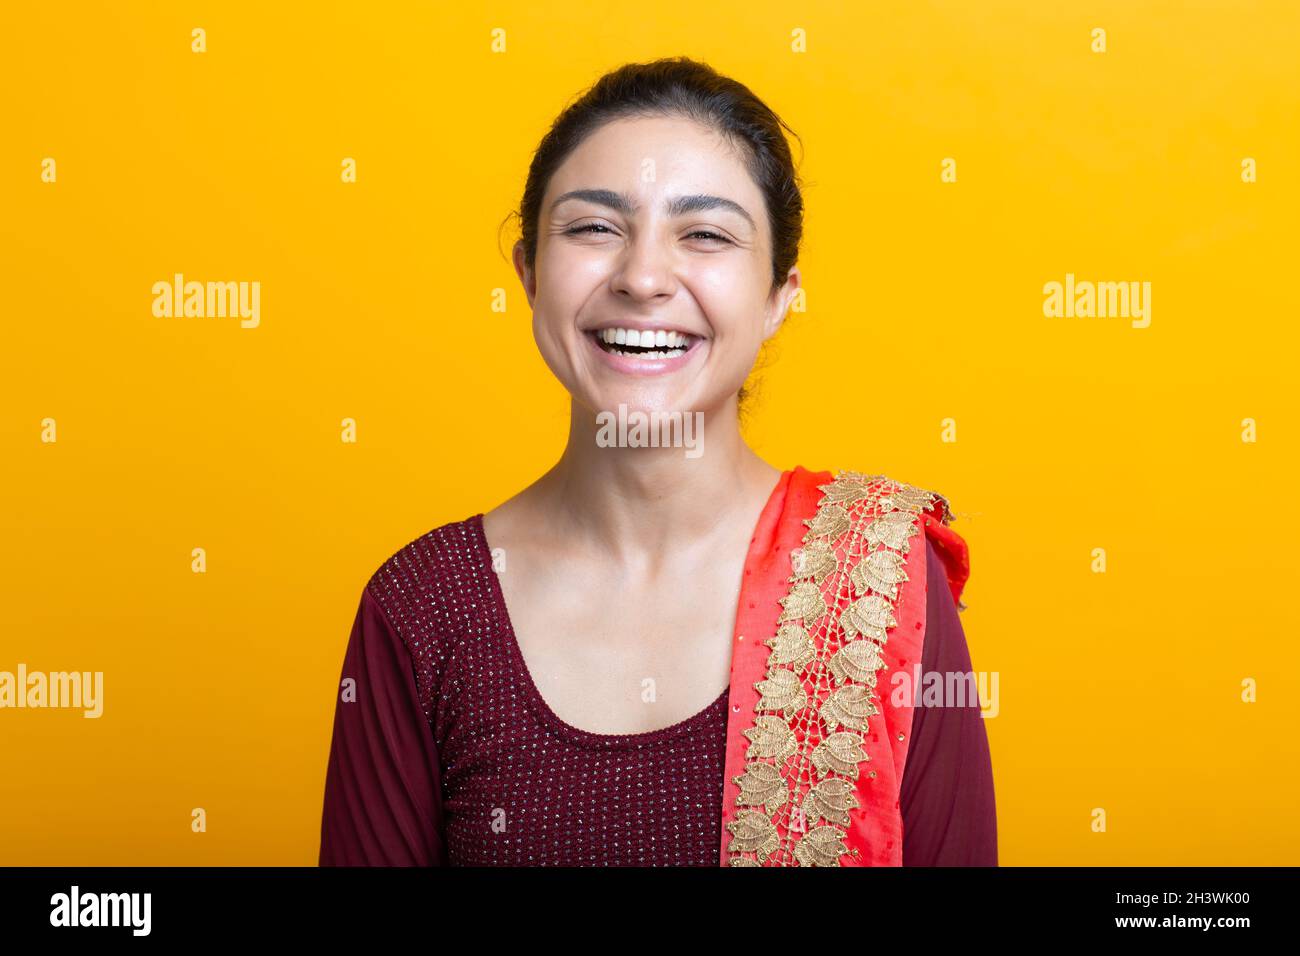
446	754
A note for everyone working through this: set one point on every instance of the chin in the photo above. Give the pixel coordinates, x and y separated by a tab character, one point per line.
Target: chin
642	400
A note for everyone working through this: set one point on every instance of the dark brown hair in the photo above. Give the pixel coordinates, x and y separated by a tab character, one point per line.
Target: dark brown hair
680	86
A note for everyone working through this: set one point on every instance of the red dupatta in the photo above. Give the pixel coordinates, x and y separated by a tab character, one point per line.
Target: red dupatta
833	597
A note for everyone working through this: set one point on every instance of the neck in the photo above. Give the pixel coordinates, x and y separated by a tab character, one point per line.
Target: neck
637	502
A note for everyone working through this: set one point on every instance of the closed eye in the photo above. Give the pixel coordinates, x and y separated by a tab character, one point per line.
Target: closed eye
601	228
589	227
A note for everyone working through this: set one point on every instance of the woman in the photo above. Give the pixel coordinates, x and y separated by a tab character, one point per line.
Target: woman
664	651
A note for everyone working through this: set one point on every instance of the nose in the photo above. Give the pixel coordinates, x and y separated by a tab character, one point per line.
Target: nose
645	270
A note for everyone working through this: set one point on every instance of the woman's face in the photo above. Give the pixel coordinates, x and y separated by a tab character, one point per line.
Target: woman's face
652	285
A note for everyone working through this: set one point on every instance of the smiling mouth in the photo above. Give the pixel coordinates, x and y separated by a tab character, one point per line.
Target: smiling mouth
645	345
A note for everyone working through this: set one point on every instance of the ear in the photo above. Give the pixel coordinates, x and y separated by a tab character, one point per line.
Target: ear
526	275
779	303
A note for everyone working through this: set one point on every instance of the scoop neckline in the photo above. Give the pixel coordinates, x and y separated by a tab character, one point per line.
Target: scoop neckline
576	735
566	730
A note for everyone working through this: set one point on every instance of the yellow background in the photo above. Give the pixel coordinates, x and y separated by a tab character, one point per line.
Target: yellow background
1119	691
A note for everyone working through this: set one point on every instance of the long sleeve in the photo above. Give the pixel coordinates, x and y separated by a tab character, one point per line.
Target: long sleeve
382	802
946	797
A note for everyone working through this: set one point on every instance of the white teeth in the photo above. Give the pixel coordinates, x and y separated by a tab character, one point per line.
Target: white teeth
657	338
664	345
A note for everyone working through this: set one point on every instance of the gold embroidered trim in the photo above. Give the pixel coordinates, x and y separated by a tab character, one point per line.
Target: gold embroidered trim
822	671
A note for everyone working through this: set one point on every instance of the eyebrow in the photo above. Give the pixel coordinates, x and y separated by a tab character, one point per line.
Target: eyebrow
678	206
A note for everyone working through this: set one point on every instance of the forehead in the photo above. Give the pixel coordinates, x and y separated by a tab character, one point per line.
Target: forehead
657	156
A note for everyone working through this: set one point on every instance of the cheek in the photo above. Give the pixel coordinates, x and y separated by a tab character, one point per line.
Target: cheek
572	269
567	282
547	340
553	308
735	314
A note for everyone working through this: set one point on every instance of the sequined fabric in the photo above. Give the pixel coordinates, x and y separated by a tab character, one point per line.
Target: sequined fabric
520	786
